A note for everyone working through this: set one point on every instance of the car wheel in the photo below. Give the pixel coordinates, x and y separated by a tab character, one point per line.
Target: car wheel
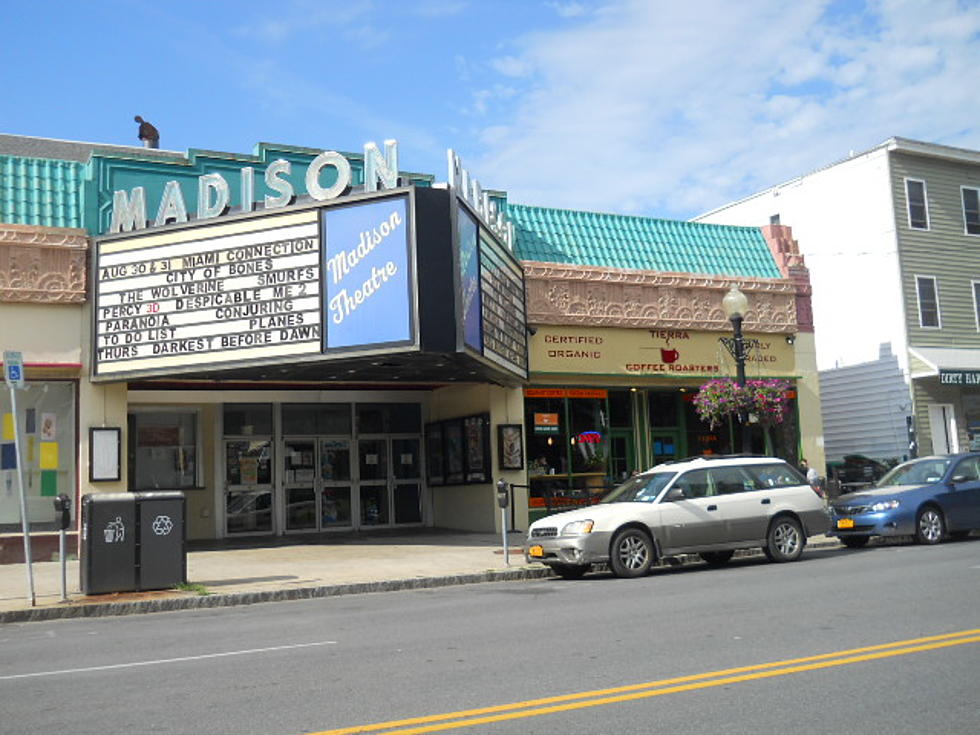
929	526
717	558
570	571
855	542
784	542
632	553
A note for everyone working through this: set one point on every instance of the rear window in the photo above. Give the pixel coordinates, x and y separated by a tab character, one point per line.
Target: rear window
778	474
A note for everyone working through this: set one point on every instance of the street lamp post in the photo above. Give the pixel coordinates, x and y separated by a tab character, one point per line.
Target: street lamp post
736	304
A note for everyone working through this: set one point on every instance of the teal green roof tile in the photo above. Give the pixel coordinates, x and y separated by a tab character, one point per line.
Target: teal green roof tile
639	243
40	191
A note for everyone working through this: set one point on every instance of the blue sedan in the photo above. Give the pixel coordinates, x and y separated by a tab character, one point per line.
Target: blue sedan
929	498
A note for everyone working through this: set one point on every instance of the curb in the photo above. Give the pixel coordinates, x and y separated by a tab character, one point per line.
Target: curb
96	610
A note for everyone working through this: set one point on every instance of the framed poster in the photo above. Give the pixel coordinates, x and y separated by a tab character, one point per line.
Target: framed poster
477	451
510	446
453	434
105	447
434	456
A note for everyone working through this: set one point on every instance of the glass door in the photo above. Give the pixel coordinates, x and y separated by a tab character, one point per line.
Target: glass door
248	486
622	457
373	495
389	487
407	471
316	484
335	483
299	484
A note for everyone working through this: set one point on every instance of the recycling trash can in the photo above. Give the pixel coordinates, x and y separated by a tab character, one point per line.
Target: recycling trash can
161	549
132	542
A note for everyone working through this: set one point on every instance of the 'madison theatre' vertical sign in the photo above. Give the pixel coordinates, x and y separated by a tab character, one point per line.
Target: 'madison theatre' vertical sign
368	296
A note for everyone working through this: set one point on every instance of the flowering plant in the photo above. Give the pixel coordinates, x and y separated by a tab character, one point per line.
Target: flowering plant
768	399
719	398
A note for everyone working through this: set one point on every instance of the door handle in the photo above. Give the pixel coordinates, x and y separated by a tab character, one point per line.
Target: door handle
712	507
766	501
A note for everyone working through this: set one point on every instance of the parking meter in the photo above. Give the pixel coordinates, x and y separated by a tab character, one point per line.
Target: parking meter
503	496
62	509
503	500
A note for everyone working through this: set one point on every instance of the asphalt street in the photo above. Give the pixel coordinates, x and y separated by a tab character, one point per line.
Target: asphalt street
685	650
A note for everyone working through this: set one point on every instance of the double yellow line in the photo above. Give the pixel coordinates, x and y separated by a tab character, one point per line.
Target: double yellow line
595	698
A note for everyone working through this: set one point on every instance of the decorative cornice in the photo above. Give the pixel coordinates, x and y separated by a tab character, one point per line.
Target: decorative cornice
45	265
614	297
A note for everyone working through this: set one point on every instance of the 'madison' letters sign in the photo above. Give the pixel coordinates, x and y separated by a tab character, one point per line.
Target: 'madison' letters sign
214	194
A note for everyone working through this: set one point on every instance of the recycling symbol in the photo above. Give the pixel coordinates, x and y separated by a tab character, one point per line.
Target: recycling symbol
162	525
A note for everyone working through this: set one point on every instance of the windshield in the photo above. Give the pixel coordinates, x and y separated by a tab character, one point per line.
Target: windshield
640	489
917	472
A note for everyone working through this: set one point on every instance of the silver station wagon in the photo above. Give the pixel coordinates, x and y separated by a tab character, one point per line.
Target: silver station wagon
708	505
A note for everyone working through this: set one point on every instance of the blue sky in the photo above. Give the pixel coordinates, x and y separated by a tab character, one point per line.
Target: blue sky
660	108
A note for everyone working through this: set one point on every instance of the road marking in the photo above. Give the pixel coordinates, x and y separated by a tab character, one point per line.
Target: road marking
160	661
631	692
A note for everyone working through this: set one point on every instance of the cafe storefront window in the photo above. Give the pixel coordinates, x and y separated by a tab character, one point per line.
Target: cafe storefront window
568	446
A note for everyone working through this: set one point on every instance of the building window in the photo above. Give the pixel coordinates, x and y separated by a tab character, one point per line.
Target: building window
971	210
45	427
915	192
163	450
928	301
976	302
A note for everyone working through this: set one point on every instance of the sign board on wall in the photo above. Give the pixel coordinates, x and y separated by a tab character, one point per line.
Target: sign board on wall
368	274
959	377
651	352
254	289
493	313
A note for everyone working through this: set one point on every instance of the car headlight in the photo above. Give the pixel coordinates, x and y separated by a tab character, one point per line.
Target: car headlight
577	528
884	505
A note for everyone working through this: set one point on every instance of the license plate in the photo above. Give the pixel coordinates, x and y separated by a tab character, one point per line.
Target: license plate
535	551
845	523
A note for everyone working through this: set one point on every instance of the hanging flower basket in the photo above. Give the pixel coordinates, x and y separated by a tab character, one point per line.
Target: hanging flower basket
721	398
768	400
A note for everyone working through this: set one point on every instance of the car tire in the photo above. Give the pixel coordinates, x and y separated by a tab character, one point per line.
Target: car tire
717	558
631	553
570	571
930	528
855	542
784	542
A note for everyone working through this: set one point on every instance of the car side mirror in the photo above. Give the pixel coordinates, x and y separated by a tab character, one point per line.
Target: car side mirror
957	479
675	493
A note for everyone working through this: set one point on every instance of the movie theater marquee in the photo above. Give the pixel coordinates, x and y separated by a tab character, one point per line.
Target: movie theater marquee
247	290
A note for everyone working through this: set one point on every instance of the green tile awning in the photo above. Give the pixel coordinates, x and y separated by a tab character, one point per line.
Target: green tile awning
640	243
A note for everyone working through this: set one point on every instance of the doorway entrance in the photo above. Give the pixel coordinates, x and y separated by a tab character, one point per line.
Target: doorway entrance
316	483
322	467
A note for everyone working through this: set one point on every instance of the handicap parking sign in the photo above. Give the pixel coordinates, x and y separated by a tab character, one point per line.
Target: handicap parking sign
13	368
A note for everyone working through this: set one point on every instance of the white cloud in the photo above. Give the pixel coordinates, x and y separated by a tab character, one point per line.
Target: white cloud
569	10
670	109
511	66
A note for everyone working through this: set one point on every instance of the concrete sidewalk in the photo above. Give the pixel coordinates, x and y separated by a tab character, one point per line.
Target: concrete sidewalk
247	572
